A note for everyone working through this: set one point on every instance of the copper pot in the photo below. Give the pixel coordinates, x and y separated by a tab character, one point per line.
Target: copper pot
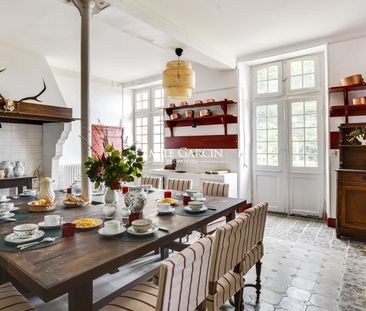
197	102
2	174
352	80
189	114
205	113
171	105
210	100
174	116
184	103
359	101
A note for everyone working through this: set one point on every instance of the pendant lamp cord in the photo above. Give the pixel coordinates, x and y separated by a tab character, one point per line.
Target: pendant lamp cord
178	52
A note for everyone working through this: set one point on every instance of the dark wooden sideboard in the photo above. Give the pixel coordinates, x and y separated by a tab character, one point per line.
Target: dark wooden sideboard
17	182
351	183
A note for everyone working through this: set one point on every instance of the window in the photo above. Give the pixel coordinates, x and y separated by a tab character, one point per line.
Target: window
149	122
267	135
268	80
304	133
303	74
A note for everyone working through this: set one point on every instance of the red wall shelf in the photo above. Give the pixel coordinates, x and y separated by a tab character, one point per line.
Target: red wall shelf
209	142
340	89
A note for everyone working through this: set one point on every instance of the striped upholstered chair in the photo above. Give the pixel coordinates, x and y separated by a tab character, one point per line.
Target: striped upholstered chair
215	189
179	184
226	272
12	300
151	180
183	283
254	238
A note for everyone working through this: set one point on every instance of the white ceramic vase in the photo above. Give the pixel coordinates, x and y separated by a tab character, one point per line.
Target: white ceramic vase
19	169
111	196
8	167
135	199
46	191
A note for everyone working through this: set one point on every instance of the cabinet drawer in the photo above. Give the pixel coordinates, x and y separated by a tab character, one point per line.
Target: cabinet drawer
352	177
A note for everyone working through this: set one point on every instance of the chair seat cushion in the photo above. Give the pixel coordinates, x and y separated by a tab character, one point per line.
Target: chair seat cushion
142	297
252	258
227	286
12	300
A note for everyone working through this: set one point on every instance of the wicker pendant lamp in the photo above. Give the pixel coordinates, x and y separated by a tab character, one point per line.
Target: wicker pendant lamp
178	78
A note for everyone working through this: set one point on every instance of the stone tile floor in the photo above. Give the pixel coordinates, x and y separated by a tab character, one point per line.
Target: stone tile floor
305	267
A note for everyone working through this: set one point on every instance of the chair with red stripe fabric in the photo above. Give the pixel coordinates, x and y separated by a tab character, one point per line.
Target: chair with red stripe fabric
12	300
226	273
183	283
179	184
254	238
151	180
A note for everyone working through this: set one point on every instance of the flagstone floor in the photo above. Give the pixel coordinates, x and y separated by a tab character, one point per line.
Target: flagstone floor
305	267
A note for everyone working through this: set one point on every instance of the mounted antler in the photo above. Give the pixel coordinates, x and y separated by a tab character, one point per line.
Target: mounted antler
34	97
2	70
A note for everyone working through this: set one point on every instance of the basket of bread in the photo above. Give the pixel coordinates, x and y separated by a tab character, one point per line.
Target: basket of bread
41	205
73	201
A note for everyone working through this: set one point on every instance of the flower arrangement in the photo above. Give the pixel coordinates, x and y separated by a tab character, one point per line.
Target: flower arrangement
357	136
114	166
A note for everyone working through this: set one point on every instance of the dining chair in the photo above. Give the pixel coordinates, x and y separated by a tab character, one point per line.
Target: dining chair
12	300
215	189
179	184
183	283
226	272
151	180
254	238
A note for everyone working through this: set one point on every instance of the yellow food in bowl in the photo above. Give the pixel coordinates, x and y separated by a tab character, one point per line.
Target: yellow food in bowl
169	200
87	222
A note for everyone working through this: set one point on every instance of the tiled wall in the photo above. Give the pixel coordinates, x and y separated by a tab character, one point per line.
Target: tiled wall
21	142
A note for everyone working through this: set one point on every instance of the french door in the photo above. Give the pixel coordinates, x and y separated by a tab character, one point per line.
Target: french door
288	146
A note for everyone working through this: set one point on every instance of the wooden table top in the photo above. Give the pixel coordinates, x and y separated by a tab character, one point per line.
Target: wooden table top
53	271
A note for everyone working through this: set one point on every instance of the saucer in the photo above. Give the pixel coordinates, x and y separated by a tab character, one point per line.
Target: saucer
189	210
14	209
42	225
10	238
151	230
7	216
171	210
5	201
103	232
199	200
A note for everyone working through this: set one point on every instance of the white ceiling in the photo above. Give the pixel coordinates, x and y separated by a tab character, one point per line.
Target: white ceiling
138	41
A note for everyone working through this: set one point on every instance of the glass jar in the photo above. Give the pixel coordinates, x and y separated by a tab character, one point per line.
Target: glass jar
76	187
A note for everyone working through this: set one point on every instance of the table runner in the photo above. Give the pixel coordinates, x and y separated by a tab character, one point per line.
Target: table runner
179	210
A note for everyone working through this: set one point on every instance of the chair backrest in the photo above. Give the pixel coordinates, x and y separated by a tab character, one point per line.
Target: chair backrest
151	180
179	184
216	189
183	282
257	222
228	249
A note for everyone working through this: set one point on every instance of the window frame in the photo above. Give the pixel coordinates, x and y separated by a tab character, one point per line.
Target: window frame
150	112
280	80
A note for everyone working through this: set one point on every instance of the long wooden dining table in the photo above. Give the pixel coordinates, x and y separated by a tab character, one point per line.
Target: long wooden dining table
70	267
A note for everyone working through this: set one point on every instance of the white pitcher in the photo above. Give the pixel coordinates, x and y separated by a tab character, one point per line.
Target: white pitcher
19	169
46	191
7	166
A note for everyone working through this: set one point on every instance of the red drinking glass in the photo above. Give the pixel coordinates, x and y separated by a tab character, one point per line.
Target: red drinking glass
167	194
186	199
133	216
124	190
68	230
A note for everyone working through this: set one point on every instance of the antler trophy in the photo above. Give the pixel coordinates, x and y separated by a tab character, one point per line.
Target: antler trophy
11	105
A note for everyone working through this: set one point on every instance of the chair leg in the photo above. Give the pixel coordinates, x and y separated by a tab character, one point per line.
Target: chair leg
258	286
238	300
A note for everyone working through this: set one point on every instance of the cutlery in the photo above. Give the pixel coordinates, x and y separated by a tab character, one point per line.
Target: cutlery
163	229
49	239
212	208
8	220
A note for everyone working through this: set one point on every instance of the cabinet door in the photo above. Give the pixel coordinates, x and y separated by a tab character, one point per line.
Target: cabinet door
353	206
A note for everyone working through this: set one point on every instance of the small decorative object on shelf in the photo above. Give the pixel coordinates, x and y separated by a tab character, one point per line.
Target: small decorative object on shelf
19	168
114	166
8	167
359	101
198	102
352	80
189	113
175	116
210	100
2	174
205	113
171	166
172	105
357	136
183	104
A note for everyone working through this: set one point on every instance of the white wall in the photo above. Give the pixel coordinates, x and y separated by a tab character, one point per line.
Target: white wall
344	59
106	107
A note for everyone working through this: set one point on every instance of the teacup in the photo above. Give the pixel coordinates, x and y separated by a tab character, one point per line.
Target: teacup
4	212
195	205
52	220
191	192
112	226
142	225
7	205
30	192
163	207
25	231
3	197
147	188
197	196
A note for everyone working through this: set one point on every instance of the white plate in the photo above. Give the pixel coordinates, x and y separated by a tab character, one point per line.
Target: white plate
7	216
14	209
171	210
103	232
42	225
12	239
152	230
27	195
189	210
4	201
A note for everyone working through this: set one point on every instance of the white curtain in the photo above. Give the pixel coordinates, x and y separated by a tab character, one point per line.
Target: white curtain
245	134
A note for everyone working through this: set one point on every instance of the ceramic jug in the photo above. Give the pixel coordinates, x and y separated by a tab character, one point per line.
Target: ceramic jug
46	191
135	199
7	166
19	168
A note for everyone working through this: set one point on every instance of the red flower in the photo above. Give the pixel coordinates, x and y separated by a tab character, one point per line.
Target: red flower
115	185
98	170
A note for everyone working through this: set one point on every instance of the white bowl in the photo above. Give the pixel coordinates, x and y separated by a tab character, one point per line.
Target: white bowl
4	212
190	192
142	225
25	231
195	205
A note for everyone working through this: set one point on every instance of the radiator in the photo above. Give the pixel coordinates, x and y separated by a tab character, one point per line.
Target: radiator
67	175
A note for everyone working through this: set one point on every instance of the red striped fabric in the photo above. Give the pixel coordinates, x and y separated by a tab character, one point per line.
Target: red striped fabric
12	300
151	180
179	184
